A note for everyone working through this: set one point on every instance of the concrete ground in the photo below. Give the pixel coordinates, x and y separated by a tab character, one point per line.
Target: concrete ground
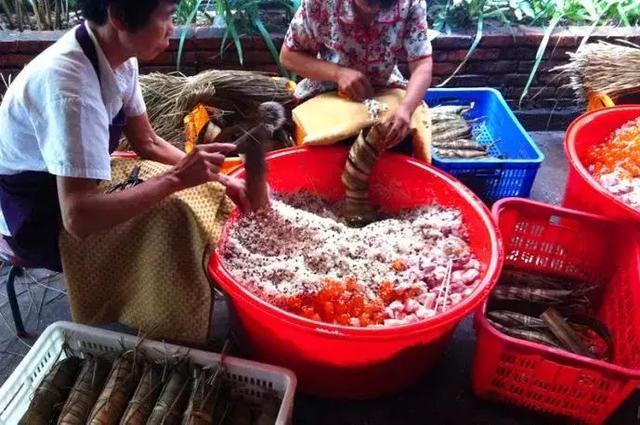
442	397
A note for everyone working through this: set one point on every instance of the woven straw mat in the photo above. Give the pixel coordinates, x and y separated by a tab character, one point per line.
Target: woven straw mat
147	273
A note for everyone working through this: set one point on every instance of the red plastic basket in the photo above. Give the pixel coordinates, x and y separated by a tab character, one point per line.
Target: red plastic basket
583	192
570	244
345	362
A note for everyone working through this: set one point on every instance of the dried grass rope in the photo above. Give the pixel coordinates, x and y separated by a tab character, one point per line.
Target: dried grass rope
605	68
169	97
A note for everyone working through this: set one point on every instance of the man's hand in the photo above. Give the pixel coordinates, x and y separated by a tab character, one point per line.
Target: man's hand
202	164
354	84
398	126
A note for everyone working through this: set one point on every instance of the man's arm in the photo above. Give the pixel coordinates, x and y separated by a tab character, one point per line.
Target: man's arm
86	210
147	144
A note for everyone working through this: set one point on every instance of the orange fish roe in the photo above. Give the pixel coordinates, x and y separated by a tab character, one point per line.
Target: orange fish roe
343	302
399	266
621	152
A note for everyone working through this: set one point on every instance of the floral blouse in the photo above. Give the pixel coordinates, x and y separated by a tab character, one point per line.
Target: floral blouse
329	29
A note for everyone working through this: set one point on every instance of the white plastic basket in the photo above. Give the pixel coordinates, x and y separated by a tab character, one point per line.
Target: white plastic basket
253	379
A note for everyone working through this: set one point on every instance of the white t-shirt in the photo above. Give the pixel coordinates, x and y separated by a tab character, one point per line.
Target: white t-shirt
55	115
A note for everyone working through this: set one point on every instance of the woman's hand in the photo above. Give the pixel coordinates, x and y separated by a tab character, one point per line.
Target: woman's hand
202	164
354	84
398	126
237	191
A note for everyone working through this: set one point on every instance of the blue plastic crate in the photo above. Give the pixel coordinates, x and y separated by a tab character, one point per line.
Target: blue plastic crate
491	179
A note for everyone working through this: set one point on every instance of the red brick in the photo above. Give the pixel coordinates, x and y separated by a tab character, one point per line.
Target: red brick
444	68
207	38
529	37
555	103
543	92
566	91
565	40
548	65
209	58
469	81
520	53
438	56
8	46
171	58
15	59
534	37
493	67
269	68
478	55
174	44
8	75
455	55
554	78
511	80
259	44
498	40
559	53
525	66
258	57
34	41
533	92
452	42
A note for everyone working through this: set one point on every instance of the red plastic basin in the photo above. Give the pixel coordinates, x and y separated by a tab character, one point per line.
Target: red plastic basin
343	362
583	192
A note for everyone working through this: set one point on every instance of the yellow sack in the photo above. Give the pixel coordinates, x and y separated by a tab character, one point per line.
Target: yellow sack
329	118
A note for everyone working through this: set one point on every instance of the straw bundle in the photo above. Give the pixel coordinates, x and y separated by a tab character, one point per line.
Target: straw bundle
604	68
169	97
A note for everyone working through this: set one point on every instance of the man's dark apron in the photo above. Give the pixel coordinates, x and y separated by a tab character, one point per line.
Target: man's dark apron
29	199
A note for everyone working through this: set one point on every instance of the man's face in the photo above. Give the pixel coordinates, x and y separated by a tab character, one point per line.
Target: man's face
152	39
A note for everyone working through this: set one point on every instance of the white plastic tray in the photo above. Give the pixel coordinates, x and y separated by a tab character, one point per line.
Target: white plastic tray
253	379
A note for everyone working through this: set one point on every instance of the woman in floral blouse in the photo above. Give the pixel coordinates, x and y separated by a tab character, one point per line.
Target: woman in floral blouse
354	46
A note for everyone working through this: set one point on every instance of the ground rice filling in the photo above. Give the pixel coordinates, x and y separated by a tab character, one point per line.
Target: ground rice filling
616	164
299	255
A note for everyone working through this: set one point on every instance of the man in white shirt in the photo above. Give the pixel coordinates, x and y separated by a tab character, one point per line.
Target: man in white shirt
62	118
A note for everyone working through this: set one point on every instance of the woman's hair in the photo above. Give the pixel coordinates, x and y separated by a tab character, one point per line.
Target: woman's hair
385	4
134	13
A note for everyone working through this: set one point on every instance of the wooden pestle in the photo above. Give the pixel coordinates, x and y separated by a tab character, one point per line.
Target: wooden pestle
253	144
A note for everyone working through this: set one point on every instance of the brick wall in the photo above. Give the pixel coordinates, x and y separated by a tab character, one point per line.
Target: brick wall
503	60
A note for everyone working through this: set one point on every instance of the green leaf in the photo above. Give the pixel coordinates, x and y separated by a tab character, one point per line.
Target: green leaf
270	45
224	10
237	42
185	31
591	7
623	16
593	26
526	8
472	49
541	49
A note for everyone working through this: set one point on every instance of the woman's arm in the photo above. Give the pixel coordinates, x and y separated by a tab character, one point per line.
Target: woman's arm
353	83
308	66
398	126
421	74
86	209
147	144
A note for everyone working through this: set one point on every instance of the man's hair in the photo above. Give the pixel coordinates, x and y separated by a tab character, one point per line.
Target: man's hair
134	14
